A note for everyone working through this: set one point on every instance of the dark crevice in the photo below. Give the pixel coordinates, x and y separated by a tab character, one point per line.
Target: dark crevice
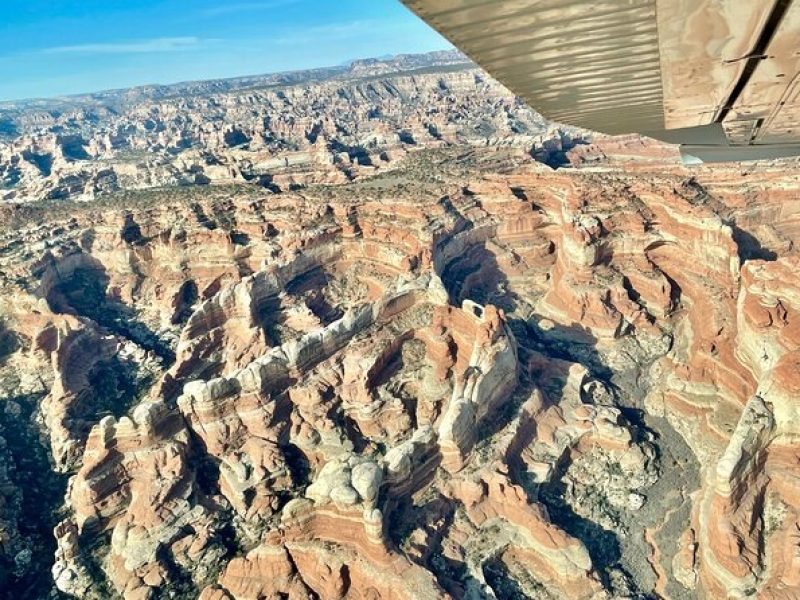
85	292
501	581
749	246
35	494
602	545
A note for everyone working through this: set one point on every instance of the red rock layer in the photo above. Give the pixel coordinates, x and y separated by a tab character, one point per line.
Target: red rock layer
416	392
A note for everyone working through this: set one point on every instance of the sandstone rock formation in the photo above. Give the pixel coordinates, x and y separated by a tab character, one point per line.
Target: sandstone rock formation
280	132
469	376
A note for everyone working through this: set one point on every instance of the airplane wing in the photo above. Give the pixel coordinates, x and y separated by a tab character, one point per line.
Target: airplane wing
720	77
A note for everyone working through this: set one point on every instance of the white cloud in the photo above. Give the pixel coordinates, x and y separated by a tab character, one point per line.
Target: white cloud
240	7
163	44
332	31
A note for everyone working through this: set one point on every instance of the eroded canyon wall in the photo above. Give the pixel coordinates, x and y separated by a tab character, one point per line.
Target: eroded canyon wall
472	377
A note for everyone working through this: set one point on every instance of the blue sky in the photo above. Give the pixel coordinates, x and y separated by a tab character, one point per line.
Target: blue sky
58	47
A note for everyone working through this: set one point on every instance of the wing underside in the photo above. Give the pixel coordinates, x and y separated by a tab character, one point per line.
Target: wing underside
719	76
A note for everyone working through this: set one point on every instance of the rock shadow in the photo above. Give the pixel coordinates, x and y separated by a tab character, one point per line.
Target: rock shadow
114	389
567	343
36	492
556	158
9	342
435	516
84	292
602	544
501	581
478	276
312	286
749	246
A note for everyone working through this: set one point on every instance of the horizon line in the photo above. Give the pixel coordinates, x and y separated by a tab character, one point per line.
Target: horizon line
344	65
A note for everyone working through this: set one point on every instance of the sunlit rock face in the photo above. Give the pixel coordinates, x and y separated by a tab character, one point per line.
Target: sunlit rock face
470	377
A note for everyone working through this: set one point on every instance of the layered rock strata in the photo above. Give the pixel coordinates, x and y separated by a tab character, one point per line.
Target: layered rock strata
280	132
474	377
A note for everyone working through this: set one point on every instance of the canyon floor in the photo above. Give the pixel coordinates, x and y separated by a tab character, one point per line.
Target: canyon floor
454	373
